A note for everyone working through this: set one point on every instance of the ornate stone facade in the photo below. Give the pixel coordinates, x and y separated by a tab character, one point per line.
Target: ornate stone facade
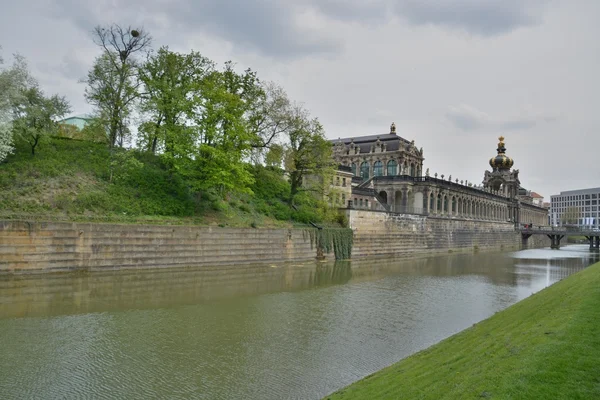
379	155
388	176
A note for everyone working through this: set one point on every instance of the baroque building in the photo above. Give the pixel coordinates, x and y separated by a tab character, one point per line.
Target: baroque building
385	173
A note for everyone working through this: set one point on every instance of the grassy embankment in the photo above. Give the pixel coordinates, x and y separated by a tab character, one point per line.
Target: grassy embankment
544	347
77	180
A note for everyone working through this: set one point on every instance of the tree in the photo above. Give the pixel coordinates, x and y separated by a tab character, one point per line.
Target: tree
274	156
308	154
113	82
222	139
268	115
171	83
35	115
13	81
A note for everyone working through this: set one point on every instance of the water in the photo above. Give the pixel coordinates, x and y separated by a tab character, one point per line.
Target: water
261	332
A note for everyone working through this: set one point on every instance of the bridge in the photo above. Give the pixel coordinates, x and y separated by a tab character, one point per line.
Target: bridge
557	233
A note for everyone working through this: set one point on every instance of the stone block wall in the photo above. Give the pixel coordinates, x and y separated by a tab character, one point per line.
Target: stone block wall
381	234
55	246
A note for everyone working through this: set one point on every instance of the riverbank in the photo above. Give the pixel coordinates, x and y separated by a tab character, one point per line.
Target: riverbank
546	346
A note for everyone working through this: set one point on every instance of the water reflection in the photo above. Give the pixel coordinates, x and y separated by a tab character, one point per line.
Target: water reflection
264	332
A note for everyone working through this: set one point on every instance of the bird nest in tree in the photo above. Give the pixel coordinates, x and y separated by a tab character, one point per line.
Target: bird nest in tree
135	33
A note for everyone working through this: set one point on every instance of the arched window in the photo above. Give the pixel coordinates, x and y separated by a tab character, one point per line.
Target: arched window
353	168
392	167
364	170
412	170
378	168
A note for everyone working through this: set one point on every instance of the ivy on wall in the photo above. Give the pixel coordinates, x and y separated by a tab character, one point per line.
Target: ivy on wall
339	240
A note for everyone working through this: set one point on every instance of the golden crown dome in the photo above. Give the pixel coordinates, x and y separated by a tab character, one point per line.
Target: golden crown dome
501	161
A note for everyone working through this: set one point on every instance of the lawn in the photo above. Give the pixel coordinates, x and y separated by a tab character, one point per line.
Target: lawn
544	347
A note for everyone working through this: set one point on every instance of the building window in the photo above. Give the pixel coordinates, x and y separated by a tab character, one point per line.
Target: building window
343	199
366	203
344	182
360	201
337	181
364	170
412	170
353	168
392	168
378	168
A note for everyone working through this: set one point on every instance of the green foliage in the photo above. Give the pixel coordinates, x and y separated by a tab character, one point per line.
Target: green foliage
13	81
308	157
113	82
274	156
544	347
173	84
85	180
35	114
340	240
75	177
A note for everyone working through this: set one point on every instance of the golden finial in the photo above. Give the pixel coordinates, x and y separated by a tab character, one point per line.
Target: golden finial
501	138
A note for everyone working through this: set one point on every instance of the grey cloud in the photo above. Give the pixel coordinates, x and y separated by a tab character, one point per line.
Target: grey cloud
481	17
356	10
268	27
70	67
467	118
518	124
282	29
487	18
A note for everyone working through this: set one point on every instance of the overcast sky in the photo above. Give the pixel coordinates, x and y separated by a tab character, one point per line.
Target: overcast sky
452	74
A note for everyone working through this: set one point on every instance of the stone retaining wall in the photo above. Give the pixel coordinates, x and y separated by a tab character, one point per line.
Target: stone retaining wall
55	246
381	234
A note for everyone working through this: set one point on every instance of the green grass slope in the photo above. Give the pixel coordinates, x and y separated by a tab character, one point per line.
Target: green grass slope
544	347
78	180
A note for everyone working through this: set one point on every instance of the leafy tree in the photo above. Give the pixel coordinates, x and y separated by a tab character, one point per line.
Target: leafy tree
172	82
274	156
113	82
268	116
95	131
13	81
35	115
214	159
308	158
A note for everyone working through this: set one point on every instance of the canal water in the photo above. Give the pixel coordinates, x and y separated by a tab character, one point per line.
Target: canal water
260	332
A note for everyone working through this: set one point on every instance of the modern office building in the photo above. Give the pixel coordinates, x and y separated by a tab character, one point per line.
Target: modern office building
576	207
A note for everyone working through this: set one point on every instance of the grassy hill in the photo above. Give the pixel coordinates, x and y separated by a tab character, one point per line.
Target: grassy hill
544	347
83	181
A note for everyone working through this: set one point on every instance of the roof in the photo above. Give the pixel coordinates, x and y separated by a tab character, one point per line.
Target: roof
536	195
78	116
391	140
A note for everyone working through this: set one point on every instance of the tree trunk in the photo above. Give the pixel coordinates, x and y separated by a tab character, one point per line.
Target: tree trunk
33	145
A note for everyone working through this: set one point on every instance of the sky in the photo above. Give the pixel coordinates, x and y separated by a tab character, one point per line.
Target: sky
453	75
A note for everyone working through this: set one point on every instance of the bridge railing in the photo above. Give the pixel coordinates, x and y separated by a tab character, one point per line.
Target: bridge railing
558	229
